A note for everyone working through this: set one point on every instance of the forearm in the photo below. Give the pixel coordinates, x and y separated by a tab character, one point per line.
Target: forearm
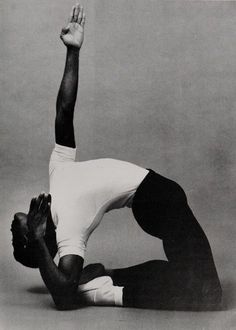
63	287
68	89
72	36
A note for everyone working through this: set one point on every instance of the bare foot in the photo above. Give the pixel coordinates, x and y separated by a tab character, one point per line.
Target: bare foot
92	271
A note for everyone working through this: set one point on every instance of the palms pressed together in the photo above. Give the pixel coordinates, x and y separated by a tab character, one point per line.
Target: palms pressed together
38	215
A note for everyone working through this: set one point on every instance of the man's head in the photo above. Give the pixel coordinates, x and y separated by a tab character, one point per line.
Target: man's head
24	250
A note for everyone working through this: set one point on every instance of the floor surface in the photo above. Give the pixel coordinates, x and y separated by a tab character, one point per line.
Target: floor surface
25	304
157	88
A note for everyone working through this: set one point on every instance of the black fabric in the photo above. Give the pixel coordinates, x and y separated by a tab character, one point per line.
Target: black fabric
188	280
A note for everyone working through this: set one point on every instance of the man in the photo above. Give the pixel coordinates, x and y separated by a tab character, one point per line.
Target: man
81	193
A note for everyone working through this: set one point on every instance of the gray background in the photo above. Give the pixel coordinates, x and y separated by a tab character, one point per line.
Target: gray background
157	88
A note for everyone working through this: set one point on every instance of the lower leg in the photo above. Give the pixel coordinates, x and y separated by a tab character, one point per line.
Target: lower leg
188	281
155	284
138	274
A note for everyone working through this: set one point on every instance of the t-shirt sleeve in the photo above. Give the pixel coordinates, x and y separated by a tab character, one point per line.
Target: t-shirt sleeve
71	235
61	154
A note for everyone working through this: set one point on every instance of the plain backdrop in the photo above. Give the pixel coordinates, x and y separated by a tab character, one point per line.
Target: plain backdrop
157	88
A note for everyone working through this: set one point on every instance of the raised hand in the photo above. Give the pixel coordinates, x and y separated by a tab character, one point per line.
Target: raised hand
38	215
73	34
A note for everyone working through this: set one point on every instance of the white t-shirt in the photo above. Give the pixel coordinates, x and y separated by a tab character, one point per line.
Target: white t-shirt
83	191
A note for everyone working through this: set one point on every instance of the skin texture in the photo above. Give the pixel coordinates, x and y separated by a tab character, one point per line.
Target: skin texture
72	36
62	281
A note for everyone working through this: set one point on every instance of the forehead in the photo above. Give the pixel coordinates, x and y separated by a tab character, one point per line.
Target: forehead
20	217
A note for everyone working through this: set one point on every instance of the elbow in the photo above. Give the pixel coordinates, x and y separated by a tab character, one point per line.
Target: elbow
64	307
59	305
66	298
65	303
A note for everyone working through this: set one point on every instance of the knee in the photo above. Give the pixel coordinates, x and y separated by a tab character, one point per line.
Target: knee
211	296
214	294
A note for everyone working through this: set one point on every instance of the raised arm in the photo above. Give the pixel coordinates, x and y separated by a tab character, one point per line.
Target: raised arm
72	36
62	280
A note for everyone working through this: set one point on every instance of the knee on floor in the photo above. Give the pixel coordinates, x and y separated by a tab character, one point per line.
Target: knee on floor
211	296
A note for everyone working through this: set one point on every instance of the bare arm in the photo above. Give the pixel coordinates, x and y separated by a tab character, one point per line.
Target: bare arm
72	36
64	128
62	280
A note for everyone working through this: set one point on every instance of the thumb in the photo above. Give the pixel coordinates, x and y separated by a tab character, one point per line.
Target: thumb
65	30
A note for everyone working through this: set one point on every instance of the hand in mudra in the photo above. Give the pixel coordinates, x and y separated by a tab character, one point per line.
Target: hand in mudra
73	34
37	217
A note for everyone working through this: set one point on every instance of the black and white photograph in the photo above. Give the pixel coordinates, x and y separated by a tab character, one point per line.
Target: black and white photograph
118	165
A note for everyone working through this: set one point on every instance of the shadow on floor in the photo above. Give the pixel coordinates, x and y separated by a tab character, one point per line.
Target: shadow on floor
228	300
39	289
229	295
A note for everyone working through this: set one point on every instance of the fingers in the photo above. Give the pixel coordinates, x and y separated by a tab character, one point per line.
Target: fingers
33	204
40	203
80	16
64	31
46	203
83	20
77	14
49	199
72	14
39	200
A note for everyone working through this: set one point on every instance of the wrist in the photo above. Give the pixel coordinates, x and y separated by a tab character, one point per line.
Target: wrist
34	237
39	239
73	50
35	245
38	245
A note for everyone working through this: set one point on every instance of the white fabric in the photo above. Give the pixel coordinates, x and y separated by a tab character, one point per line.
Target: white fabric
83	191
101	291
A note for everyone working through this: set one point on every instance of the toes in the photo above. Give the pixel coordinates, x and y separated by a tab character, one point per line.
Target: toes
92	271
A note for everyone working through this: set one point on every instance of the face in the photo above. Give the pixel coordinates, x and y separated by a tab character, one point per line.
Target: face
23	251
19	227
